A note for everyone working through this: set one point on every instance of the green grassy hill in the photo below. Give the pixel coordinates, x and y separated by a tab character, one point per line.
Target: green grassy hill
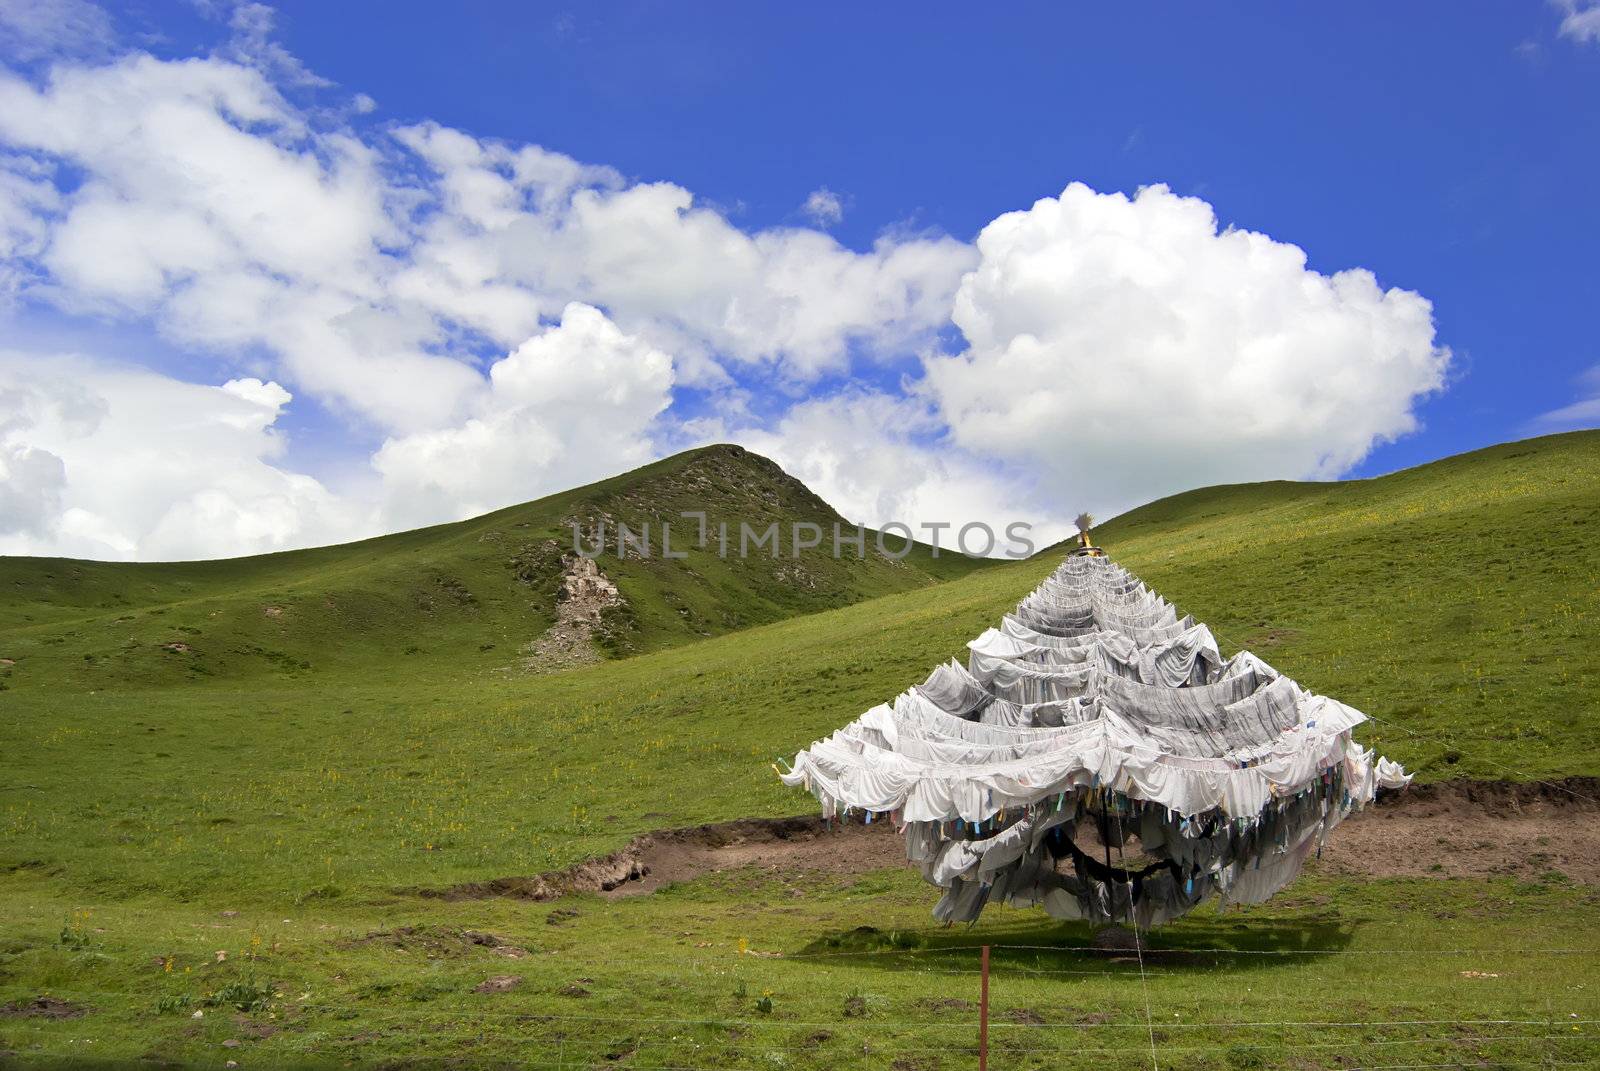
1457	600
455	597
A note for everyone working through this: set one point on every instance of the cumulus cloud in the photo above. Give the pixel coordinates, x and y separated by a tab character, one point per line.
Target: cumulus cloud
378	269
102	461
1580	19
678	273
31	483
202	207
1125	348
878	458
823	207
568	406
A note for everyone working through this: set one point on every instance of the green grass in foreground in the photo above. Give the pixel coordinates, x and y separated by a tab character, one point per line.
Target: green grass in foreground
1335	974
1457	600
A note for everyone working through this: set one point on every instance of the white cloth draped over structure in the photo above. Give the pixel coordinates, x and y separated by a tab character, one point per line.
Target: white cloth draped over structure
1095	720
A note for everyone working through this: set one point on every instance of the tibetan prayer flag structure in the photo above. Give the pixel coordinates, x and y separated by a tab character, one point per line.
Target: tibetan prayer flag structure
1097	720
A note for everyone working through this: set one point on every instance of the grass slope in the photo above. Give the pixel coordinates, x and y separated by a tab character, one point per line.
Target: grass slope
1313	982
1458	599
455	597
1454	600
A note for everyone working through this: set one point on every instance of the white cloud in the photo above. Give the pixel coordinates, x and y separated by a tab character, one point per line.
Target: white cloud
568	406
34	29
878	458
31	482
28	198
1583	413
795	299
823	207
238	221
678	273
1580	19
203	207
102	461
252	25
1125	349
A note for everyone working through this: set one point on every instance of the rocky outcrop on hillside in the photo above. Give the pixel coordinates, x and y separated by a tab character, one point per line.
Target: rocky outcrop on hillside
582	600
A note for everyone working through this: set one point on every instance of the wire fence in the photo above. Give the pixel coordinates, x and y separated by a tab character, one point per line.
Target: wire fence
1005	1028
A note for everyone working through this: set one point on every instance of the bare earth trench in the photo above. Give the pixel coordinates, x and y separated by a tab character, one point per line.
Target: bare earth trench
1444	830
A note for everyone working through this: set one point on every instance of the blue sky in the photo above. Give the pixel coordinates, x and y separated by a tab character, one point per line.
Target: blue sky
1448	149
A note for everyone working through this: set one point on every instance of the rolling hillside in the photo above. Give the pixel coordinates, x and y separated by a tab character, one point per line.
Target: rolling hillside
1456	600
467	596
253	840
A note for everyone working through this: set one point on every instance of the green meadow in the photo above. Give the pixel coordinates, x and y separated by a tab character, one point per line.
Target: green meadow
207	807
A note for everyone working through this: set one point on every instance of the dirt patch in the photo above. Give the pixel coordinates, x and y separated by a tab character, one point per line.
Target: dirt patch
272	611
252	1030
1025	1016
500	983
1272	637
1474	829
940	1004
789	845
1448	829
438	942
650	861
1115	940
42	1008
584	596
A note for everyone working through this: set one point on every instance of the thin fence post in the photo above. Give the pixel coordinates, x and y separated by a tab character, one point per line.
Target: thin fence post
983	1013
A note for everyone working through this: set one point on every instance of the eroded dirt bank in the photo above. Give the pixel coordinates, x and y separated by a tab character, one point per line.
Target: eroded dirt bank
1446	829
668	855
1474	829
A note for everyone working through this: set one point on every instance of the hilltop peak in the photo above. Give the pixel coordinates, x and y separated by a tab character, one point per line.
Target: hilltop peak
723	481
484	593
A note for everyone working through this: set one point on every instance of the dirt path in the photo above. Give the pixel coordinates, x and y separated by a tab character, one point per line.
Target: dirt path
1451	829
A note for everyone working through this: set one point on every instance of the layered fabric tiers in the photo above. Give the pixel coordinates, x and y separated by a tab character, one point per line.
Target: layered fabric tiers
1099	758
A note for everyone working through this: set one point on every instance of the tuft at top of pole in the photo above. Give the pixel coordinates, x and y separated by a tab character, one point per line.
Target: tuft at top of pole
1085	544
